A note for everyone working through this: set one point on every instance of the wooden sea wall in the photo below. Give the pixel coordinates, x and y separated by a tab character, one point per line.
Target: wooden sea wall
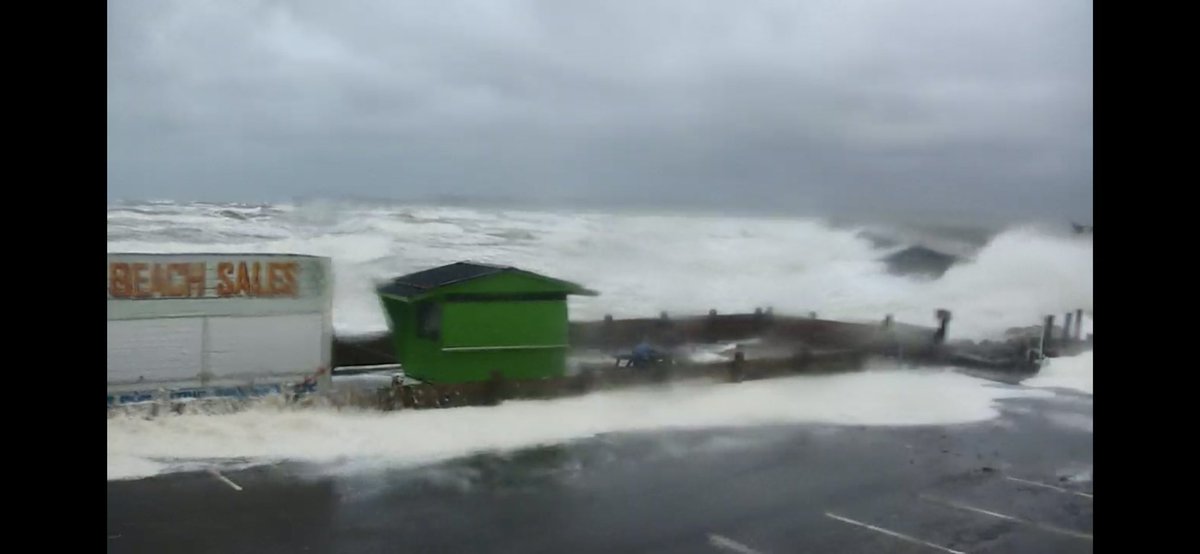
622	334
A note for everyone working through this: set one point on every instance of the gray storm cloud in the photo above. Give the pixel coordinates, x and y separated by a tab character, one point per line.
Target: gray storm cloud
817	106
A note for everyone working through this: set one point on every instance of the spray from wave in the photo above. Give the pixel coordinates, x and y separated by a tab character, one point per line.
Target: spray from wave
641	264
140	447
1073	372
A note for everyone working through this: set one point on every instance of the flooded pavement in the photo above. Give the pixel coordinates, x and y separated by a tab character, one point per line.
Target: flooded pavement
1020	483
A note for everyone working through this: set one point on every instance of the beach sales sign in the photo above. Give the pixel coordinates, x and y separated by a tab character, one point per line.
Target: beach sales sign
230	278
278	278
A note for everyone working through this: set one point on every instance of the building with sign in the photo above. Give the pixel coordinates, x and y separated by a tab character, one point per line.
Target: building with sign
216	324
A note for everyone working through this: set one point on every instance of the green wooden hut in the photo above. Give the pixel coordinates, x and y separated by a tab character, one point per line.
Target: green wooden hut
460	322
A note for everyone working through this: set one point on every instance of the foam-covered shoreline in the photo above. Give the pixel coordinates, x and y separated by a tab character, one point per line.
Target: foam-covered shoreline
139	447
641	264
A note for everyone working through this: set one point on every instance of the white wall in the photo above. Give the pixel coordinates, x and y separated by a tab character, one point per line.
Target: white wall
261	346
159	340
154	350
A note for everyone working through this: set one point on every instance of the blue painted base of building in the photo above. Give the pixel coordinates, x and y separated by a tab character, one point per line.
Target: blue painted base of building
233	393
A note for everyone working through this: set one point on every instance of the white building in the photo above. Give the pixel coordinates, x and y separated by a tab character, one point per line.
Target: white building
216	324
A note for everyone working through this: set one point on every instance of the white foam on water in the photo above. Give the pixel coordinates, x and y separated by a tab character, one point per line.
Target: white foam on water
1072	372
141	447
122	467
1071	420
1077	474
641	264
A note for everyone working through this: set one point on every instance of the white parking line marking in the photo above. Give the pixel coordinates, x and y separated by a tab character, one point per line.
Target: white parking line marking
890	533
1047	486
726	543
1042	526
218	475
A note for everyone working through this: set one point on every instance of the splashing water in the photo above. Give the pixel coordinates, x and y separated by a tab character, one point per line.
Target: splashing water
641	264
138	447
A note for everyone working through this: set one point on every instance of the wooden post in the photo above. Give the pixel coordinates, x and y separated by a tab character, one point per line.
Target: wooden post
1078	324
587	381
663	328
1047	334
607	331
886	340
1066	331
943	317
803	358
493	389
736	370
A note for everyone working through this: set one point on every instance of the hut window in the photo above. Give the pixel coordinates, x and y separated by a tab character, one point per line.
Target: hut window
429	320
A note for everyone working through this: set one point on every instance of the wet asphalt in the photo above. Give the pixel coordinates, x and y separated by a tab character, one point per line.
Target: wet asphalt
1020	483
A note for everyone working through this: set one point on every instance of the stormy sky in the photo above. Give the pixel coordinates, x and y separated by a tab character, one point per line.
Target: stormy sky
809	106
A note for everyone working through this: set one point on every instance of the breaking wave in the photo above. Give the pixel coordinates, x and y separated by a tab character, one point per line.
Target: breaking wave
641	264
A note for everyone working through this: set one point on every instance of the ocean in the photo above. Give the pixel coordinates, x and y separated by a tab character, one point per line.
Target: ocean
641	264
